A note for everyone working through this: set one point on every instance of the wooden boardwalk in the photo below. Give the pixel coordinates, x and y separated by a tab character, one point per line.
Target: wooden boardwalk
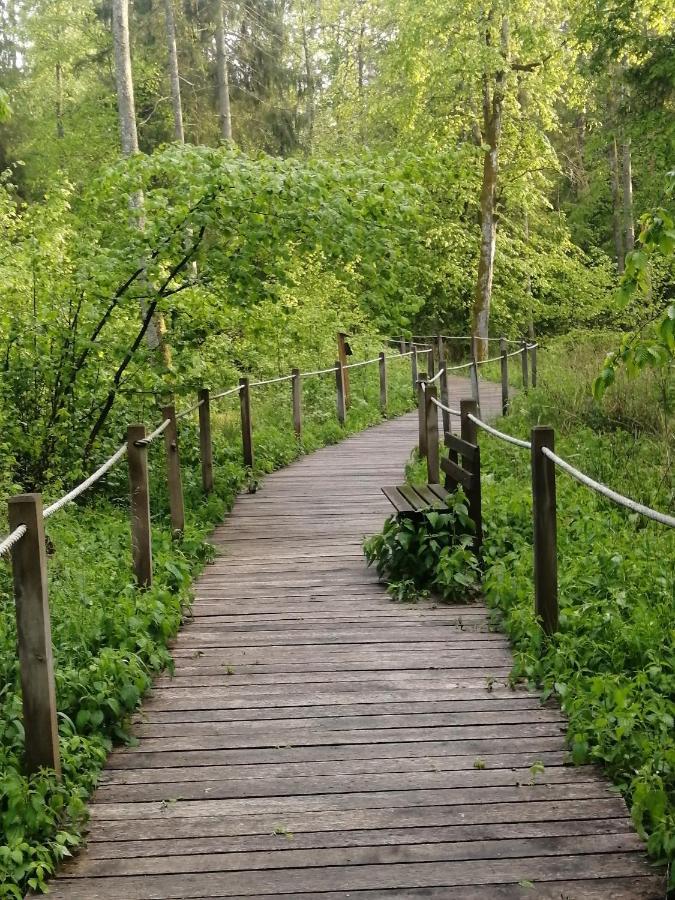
320	741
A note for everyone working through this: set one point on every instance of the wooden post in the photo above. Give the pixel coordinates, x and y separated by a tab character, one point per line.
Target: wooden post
533	364
421	415
431	419
431	366
173	476
440	351
402	344
34	637
545	530
246	423
523	356
504	350
141	535
475	390
205	441
383	383
340	384
469	433
296	394
413	366
342	354
445	394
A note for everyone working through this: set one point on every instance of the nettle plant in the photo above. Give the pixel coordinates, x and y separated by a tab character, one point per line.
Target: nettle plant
429	554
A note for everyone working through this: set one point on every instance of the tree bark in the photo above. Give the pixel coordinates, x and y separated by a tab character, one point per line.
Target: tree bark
126	111
309	76
174	77
492	127
627	172
616	204
224	110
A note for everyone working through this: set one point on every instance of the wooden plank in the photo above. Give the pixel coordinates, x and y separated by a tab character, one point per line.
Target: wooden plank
457	474
400	503
427	496
464	448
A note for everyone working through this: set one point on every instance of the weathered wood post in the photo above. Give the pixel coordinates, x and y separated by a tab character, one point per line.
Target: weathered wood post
475	389
402	344
421	414
533	363
342	355
173	475
246	422
139	491
296	396
413	368
340	385
383	383
504	350
431	419
445	393
429	355
545	529
205	440
469	433
440	352
34	637
523	356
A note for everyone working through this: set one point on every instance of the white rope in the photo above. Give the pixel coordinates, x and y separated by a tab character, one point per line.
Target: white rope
271	380
436	377
481	362
366	362
146	441
191	409
399	355
86	484
12	539
499	434
448	409
227	393
608	492
515	353
318	372
463	366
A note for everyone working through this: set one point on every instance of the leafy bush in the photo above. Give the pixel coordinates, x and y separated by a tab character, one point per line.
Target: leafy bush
429	553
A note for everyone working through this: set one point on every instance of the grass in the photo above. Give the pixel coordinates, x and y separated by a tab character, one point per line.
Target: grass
110	638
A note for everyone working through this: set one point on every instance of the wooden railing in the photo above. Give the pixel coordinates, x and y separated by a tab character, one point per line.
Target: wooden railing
26	541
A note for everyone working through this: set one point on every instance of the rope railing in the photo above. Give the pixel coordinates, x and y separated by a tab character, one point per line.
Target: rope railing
447	409
436	376
146	441
228	393
318	372
365	362
86	484
271	380
12	539
518	442
605	491
189	410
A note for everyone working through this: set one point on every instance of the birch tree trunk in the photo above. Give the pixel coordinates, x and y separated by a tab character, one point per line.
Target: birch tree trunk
174	77
616	204
126	112
492	128
627	172
224	110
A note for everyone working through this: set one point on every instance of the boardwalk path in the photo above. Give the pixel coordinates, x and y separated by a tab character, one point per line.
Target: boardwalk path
319	741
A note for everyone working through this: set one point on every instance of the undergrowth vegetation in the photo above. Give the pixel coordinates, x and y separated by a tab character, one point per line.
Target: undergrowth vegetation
612	663
110	639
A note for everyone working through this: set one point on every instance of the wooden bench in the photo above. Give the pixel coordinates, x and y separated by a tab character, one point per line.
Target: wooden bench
462	466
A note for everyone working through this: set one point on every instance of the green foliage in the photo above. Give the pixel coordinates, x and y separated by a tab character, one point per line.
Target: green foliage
430	554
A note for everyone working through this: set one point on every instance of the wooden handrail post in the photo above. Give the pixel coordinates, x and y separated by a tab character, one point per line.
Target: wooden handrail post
504	350
205	440
340	385
421	415
383	383
475	389
440	352
431	365
139	491
523	356
431	419
413	368
545	530
402	344
296	396
342	355
246	423
173	476
469	433
445	394
533	365
34	638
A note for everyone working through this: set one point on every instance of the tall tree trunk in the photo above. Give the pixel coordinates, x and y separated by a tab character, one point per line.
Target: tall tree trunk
174	77
627	172
492	128
616	204
58	73
126	112
224	111
309	76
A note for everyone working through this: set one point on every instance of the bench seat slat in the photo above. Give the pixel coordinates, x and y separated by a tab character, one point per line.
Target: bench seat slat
397	500
427	496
